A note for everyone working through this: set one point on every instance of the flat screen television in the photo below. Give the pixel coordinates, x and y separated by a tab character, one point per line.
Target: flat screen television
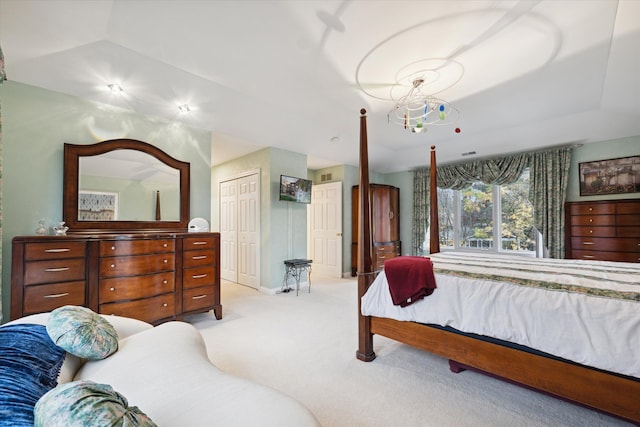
294	189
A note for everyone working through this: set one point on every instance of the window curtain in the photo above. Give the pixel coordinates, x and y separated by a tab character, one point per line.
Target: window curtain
549	173
3	77
549	170
499	171
420	221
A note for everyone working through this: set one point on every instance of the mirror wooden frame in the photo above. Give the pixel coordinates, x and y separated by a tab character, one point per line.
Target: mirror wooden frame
72	155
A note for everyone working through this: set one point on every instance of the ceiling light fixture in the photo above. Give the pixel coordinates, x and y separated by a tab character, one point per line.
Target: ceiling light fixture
417	110
184	108
115	88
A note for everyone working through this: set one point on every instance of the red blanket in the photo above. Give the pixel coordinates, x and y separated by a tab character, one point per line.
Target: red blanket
410	279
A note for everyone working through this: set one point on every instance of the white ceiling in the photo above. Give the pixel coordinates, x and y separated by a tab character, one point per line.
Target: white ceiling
287	73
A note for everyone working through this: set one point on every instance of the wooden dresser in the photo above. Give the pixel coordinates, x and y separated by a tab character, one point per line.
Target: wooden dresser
154	277
385	224
607	230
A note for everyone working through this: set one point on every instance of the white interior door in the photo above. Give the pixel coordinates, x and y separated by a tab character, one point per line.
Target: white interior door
248	230
229	230
325	229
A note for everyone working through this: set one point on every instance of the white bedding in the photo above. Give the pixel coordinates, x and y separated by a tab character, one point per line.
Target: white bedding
575	321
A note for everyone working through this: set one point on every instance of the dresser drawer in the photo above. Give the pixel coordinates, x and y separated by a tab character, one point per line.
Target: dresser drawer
628	220
41	298
54	271
54	250
592	209
148	310
594	221
587	231
135	287
193	243
605	244
629	231
136	247
200	276
136	265
199	258
629	208
606	256
197	298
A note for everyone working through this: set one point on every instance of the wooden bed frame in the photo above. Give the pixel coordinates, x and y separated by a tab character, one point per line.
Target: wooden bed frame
607	392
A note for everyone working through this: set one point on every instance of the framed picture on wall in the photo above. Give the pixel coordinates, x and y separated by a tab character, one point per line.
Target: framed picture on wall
613	176
97	206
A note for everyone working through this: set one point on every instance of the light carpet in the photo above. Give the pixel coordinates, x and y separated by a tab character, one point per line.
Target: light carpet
305	347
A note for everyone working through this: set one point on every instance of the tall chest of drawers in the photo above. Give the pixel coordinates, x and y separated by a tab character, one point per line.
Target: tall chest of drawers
201	274
151	277
603	230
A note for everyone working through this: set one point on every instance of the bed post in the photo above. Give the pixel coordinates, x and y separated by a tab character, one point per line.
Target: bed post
434	231
365	263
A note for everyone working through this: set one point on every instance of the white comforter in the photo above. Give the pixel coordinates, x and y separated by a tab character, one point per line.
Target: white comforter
575	321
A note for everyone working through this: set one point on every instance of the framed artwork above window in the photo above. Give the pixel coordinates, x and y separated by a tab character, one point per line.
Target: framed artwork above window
613	176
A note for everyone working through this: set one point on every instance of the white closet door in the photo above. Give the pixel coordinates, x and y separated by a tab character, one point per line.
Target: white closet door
229	230
248	230
325	229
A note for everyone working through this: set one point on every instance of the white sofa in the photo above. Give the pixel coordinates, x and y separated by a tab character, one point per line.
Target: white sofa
165	371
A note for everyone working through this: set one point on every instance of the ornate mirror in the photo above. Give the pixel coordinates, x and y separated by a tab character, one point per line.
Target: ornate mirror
124	184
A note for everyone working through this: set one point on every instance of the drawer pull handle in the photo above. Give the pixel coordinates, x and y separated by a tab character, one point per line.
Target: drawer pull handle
112	289
166	261
199	257
57	295
55	251
165	305
590	219
587	243
199	276
199	296
113	266
590	209
165	245
113	248
199	243
164	282
588	256
55	270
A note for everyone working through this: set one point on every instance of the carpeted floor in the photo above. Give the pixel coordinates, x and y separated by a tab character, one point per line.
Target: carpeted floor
305	347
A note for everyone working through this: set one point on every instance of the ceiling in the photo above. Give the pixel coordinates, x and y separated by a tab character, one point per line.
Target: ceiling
295	74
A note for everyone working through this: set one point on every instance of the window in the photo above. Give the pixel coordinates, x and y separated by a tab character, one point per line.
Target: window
488	217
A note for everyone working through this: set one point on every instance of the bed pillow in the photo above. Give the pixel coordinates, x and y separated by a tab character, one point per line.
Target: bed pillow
82	332
29	367
86	403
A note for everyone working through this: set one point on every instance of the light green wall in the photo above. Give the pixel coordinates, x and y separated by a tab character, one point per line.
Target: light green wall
36	123
283	225
624	147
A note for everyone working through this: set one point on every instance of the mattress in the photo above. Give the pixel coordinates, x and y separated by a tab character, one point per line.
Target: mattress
584	311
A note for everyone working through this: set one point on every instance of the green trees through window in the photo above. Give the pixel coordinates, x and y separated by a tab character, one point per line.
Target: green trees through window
488	217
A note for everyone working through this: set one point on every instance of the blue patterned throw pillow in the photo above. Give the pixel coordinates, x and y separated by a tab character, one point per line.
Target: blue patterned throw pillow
82	332
86	403
29	367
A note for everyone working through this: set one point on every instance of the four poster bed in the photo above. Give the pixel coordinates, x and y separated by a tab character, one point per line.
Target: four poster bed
590	356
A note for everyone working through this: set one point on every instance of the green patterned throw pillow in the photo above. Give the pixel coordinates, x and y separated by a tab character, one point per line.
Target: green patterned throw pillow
86	403
82	332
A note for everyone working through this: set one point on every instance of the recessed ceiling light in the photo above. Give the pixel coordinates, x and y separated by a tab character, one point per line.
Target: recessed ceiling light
115	88
184	108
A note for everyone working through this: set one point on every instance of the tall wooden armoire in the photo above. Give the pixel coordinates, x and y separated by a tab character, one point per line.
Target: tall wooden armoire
385	224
